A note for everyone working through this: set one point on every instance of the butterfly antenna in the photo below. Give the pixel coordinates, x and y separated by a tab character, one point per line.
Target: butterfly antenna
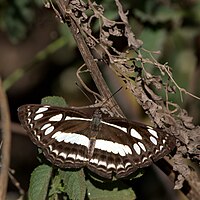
116	91
112	96
109	108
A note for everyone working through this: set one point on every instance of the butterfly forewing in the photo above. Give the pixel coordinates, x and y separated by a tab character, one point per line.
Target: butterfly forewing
73	139
48	127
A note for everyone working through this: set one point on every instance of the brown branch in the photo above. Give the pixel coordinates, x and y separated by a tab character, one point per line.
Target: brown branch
16	128
69	18
6	137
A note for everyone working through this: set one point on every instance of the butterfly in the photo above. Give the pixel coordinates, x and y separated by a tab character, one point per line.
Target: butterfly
108	146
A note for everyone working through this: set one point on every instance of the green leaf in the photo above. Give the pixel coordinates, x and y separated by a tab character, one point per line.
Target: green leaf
54	101
116	190
56	187
39	182
74	183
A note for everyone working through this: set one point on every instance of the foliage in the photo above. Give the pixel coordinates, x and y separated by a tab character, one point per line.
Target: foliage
39	182
17	17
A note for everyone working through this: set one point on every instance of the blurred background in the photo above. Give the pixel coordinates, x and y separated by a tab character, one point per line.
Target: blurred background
39	57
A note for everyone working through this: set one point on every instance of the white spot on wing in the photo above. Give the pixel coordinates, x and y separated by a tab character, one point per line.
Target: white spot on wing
55	151
161	147
144	159
120	166
127	149
38	116
142	146
38	137
59	136
113	147
135	134
50	147
71	156
56	118
111	165
28	120
77	118
163	141
49	130
29	113
103	163
79	157
156	151
42	109
64	155
45	126
71	138
153	140
149	127
153	132
94	160
137	149
127	164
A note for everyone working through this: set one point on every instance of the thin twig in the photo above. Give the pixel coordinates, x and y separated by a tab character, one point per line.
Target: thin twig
79	71
16	182
165	67
6	137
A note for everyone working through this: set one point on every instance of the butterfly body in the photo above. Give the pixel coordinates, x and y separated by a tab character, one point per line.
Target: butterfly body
71	138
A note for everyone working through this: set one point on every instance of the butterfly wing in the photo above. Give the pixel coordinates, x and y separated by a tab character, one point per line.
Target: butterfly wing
58	132
122	147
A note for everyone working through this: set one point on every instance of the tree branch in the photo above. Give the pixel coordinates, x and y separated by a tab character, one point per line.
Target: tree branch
69	18
6	138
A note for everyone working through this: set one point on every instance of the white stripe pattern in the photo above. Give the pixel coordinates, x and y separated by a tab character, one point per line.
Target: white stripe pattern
42	109
111	165
153	140
113	147
56	118
135	134
153	132
94	160
71	138
77	118
45	126
64	155
49	130
142	146
38	116
137	148
115	126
